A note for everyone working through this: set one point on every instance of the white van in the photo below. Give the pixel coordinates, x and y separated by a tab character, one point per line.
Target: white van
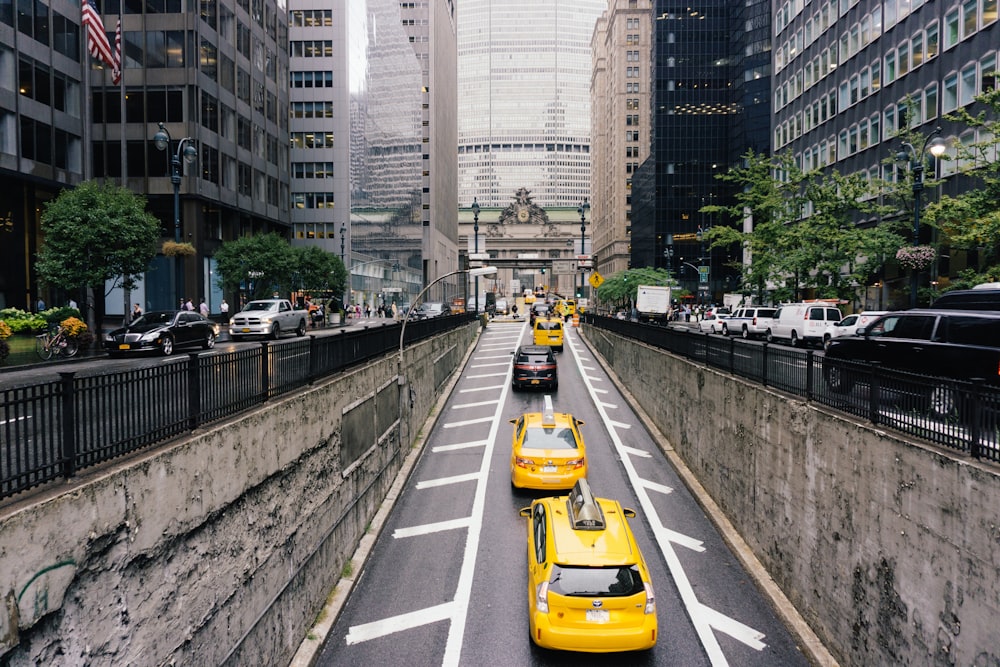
802	323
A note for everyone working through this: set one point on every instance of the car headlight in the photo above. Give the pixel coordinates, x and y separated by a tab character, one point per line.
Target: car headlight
152	335
265	320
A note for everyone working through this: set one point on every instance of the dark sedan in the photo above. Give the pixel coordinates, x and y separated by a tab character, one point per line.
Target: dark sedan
162	331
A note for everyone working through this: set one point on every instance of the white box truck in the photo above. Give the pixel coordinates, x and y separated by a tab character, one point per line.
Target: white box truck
653	303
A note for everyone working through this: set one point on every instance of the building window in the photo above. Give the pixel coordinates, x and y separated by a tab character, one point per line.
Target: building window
951	29
949	98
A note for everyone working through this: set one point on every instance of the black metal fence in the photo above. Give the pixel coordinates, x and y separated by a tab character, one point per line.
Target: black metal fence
51	430
961	415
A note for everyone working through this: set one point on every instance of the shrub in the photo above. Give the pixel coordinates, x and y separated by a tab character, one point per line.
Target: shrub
5	331
21	321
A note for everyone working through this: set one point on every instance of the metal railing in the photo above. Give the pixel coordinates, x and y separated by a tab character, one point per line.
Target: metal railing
957	414
51	430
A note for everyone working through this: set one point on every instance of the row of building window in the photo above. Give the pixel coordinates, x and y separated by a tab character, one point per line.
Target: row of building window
310	18
319	79
312	170
312	200
312	139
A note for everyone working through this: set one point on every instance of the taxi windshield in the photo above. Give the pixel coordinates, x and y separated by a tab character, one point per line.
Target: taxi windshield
596	581
549	438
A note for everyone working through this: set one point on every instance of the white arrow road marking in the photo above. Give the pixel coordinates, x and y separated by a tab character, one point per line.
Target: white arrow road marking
733	628
445	481
460	445
653	486
703	625
387	626
429	528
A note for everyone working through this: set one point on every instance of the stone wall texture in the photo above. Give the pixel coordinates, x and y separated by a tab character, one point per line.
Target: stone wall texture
889	549
219	549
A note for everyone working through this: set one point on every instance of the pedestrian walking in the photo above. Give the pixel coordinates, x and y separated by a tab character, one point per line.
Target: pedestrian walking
203	308
136	312
224	309
188	305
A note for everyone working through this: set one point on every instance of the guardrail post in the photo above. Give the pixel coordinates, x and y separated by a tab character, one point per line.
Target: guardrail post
265	371
68	445
874	389
809	375
194	391
975	418
763	365
313	361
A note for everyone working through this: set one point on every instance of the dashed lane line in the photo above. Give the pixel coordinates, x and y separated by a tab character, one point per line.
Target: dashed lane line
492	388
386	626
445	481
480	420
428	528
458	446
463	406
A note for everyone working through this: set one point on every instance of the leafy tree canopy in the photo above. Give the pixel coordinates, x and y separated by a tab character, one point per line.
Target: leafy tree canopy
96	234
621	288
319	270
263	263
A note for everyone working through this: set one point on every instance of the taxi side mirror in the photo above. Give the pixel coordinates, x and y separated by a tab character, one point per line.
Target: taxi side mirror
628	512
580	422
513	421
525	512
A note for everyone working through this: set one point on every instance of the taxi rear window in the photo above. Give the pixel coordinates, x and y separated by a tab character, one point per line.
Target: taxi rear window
533	359
596	581
549	438
550	325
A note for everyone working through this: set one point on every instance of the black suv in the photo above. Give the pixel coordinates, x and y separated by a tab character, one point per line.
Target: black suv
969	299
535	366
958	344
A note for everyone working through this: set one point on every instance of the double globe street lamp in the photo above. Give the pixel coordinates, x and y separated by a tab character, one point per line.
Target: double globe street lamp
583	209
936	146
187	151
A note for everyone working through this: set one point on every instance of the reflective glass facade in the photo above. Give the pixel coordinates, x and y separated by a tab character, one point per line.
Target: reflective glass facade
524	99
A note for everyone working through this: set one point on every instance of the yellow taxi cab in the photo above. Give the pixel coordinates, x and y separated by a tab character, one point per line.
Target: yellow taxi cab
566	308
547	451
588	585
548	331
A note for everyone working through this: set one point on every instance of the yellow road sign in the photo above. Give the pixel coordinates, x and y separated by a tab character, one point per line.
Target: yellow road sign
596	280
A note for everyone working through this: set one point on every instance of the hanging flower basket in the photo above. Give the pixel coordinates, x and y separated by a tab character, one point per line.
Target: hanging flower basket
174	249
916	257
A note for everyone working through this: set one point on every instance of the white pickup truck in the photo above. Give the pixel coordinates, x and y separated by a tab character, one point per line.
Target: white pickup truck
268	317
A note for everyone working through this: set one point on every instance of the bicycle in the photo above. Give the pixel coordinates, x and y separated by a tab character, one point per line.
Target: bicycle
55	344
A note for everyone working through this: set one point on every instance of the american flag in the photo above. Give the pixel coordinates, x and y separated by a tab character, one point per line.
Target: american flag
97	39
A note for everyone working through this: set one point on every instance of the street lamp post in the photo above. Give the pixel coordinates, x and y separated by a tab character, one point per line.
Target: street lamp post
583	209
347	286
937	147
186	150
668	253
475	247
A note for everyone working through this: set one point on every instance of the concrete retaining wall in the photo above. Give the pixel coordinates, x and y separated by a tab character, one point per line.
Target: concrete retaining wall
889	549
220	549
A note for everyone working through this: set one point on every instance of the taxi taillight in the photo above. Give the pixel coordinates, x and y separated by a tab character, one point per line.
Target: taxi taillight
542	597
576	463
650	599
522	462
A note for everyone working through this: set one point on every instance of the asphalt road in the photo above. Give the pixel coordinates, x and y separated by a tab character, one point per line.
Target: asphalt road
445	582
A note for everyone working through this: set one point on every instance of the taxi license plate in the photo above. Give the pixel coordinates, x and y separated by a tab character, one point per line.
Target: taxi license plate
246	330
549	468
124	346
534	382
598	615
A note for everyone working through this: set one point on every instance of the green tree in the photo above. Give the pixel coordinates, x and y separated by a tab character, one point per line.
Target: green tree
319	270
620	289
971	220
96	235
265	261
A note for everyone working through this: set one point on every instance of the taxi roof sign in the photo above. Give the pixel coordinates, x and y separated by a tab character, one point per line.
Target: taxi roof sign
548	412
584	512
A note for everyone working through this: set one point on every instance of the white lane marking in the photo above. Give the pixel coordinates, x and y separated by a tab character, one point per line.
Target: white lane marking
734	628
494	356
461	445
445	481
466	391
601	391
703	627
613	406
387	626
473	405
686	541
506	363
463	592
467	422
592	379
428	528
487	375
636	452
619	424
653	486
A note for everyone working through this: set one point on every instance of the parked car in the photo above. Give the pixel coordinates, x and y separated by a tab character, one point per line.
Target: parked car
162	331
588	585
959	344
429	309
535	366
802	323
849	325
712	322
980	297
749	322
